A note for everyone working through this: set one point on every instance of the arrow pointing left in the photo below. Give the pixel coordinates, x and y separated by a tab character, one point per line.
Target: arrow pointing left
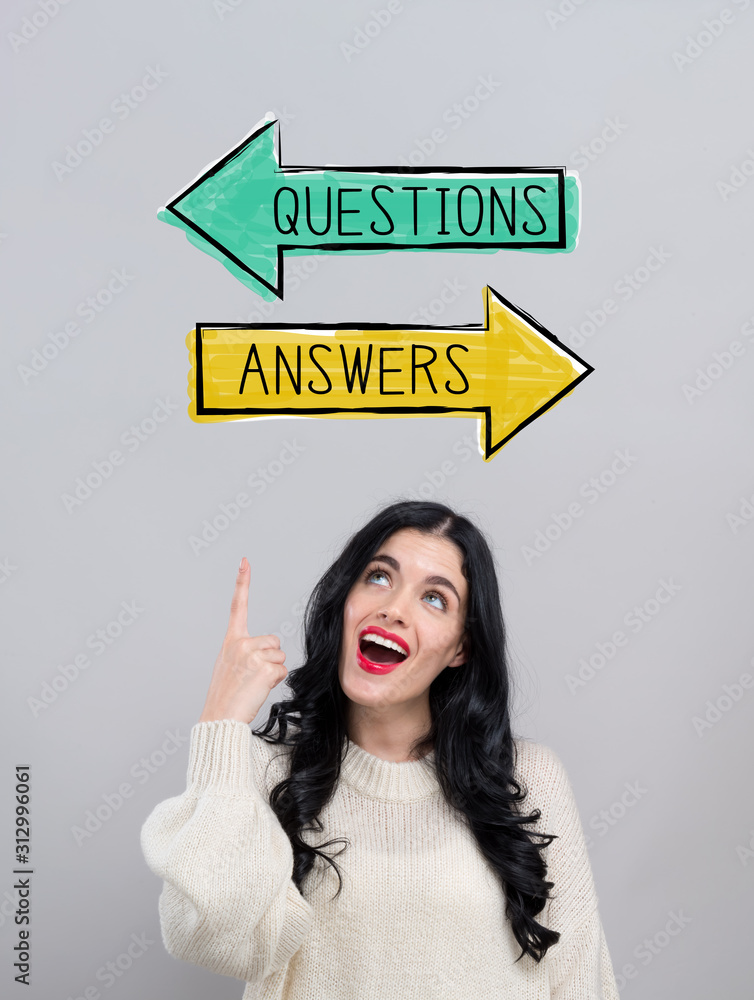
247	210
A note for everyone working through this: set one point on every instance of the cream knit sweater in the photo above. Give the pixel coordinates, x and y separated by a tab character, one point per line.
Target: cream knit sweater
421	915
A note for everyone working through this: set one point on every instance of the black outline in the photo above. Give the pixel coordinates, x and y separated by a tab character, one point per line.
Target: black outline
278	289
483	411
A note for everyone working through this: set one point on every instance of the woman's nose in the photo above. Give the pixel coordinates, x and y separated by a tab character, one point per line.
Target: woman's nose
394	610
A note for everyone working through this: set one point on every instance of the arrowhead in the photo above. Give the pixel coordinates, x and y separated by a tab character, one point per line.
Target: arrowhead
226	211
528	370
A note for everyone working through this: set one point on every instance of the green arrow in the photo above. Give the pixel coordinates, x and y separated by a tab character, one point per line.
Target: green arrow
247	211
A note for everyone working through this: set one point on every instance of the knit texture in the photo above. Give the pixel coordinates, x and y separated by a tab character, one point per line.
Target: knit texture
421	915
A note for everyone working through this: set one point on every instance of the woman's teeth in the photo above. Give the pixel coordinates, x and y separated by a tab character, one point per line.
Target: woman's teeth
380	640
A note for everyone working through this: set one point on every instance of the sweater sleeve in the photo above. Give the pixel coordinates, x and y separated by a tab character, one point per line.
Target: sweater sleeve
228	901
579	965
581	969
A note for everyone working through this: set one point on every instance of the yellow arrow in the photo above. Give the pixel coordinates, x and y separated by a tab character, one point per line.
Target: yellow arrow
507	372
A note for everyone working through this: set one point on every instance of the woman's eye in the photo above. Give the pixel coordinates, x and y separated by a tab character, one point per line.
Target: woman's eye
436	600
379	577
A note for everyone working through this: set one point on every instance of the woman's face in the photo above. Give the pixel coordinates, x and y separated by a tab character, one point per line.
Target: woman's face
403	621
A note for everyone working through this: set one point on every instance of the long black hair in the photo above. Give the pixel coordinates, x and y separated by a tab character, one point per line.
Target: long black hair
470	730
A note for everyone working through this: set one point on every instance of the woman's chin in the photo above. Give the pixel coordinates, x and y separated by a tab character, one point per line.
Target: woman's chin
366	689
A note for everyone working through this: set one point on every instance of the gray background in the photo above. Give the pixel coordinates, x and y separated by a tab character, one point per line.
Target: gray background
680	847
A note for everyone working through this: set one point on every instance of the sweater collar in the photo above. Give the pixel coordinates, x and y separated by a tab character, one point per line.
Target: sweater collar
387	780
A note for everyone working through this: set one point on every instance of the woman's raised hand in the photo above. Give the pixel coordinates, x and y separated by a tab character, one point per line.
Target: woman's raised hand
248	667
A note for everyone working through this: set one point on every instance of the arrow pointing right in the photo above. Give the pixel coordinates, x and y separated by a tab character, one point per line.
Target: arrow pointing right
507	372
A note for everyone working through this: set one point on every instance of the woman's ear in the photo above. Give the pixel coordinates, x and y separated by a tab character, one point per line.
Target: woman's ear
462	653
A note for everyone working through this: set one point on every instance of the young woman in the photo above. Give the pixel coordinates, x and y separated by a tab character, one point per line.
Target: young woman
462	870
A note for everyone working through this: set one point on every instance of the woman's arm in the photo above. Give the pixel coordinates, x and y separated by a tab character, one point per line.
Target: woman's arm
228	902
579	966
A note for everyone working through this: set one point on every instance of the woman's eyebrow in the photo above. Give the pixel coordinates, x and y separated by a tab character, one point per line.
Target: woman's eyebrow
432	581
440	581
393	563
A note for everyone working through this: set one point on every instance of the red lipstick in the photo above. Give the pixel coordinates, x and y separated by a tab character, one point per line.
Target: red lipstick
380	668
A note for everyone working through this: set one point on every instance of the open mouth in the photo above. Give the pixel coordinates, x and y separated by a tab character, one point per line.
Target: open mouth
381	651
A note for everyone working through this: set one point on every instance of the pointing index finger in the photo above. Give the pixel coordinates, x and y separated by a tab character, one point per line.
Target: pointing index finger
239	606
